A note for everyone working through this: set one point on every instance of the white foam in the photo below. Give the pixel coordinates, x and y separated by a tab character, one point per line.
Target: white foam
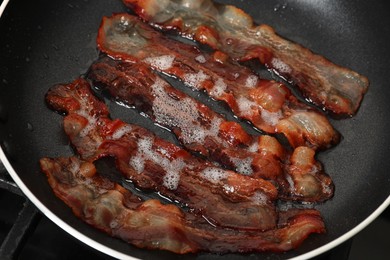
271	118
200	59
245	105
172	176
214	128
280	66
182	114
121	131
219	88
251	81
214	175
260	198
144	148
90	127
228	188
138	163
163	62
243	166
145	145
89	115
145	153
195	80
254	147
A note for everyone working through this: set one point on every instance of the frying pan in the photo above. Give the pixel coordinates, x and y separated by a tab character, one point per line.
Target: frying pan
46	42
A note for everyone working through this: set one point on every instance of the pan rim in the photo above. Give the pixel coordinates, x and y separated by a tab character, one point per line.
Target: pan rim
57	220
48	213
116	254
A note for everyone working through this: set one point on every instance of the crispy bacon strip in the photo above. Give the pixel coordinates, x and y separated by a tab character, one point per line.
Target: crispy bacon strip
269	105
202	130
155	164
231	30
152	225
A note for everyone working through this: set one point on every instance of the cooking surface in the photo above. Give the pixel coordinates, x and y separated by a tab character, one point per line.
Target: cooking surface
45	240
49	42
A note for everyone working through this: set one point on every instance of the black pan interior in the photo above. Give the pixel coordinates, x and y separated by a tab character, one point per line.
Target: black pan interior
47	42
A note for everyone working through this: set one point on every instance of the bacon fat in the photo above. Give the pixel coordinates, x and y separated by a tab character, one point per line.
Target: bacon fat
202	130
231	30
268	105
155	164
149	224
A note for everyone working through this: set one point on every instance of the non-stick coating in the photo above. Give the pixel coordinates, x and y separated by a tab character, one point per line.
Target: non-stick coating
47	42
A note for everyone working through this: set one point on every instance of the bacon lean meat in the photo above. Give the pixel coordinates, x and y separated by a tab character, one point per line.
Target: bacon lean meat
149	224
269	105
154	164
202	130
231	30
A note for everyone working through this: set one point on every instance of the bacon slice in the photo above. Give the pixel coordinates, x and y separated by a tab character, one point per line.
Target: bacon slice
269	105
150	224
155	164
202	130
231	30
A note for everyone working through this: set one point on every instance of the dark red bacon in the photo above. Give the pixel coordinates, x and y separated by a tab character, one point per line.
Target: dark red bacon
269	105
202	130
231	30
154	164
152	225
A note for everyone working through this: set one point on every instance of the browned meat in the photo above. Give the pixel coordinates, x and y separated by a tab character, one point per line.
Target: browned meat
269	105
155	164
202	130
150	224
231	30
